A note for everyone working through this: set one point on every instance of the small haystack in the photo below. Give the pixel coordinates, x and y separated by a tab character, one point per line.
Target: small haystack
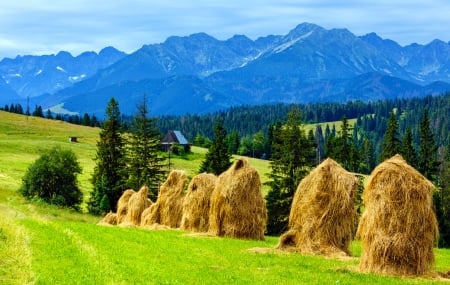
196	203
109	219
168	208
398	228
122	205
237	206
137	203
323	215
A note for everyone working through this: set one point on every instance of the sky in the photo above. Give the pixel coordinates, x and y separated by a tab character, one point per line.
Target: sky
37	27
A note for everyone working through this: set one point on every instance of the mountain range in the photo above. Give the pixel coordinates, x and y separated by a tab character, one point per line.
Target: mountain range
198	73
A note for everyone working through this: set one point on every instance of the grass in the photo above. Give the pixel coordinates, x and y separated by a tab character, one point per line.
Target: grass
42	244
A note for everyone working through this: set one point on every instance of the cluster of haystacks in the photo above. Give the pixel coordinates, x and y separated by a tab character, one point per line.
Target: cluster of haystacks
323	214
398	228
196	204
137	203
168	208
237	207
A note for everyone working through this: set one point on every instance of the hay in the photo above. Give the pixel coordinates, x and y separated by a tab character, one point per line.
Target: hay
168	208
398	228
122	205
323	215
137	203
238	208
196	203
109	219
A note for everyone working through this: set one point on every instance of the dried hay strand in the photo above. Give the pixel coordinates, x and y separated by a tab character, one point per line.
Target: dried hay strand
168	208
109	219
238	208
323	215
137	203
122	205
196	203
398	228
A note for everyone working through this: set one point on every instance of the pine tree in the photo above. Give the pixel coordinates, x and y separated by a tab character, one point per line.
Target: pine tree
367	156
109	177
292	157
233	142
391	141
443	197
144	164
428	164
408	151
217	159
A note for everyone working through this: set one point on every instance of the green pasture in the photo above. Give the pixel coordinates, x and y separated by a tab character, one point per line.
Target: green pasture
42	244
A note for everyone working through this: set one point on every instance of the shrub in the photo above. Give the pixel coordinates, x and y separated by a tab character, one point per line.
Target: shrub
52	179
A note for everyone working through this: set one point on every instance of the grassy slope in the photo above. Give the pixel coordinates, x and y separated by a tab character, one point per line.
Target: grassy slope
47	245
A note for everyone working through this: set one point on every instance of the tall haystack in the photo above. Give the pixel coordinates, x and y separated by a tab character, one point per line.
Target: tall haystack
323	215
109	219
137	203
398	228
122	205
237	206
168	208
196	203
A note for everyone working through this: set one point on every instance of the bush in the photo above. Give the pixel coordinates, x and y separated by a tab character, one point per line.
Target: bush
52	179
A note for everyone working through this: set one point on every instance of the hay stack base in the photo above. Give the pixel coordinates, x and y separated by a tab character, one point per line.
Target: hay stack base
323	216
137	203
168	208
196	204
122	205
110	219
398	228
238	208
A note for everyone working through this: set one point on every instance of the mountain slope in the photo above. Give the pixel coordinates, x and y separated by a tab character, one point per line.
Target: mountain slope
30	76
309	64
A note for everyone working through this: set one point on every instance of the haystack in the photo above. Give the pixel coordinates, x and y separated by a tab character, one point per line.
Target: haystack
323	215
122	205
196	203
398	228
168	208
238	208
137	203
109	219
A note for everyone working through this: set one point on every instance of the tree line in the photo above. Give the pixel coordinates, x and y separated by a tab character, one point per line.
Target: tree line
85	120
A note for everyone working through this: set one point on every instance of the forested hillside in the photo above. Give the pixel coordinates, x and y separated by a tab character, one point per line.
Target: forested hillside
249	123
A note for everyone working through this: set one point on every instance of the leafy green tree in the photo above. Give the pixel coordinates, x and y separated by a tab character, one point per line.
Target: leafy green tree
291	161
443	201
109	176
53	179
217	159
407	150
391	142
428	164
145	166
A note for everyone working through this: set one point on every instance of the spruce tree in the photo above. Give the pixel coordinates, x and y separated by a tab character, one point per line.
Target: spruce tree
217	159
144	164
391	141
292	157
408	151
443	197
109	176
428	164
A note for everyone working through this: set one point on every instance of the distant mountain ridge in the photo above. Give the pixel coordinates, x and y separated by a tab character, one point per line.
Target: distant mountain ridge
198	73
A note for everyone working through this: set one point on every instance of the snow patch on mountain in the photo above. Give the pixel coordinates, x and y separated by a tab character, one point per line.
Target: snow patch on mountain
290	43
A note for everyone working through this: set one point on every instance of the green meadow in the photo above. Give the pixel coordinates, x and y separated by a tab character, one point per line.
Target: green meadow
42	244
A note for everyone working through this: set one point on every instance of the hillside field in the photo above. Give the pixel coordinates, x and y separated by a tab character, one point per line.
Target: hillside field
41	244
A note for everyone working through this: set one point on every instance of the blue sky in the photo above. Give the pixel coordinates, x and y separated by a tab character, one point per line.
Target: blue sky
47	26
